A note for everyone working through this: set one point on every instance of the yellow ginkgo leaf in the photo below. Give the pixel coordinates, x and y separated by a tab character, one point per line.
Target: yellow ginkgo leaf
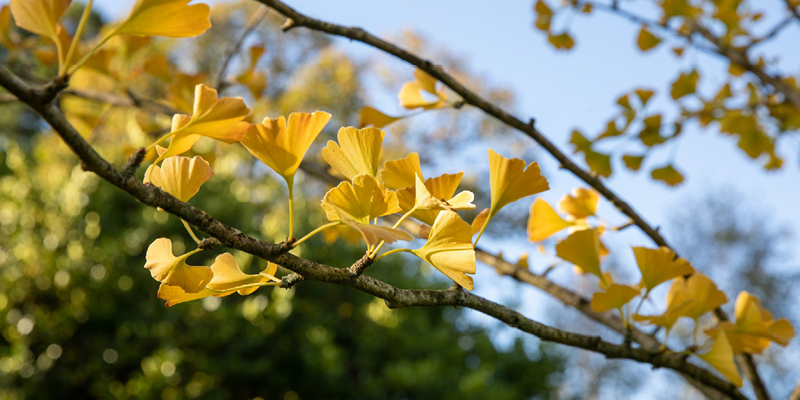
39	16
362	201
399	174
678	305
480	219
230	272
755	327
6	37
179	176
659	265
580	204
170	18
217	118
543	221
372	234
356	153
228	275
370	116
582	248
449	248
721	358
668	318
614	297
411	94
173	271
255	80
435	190
281	145
424	200
510	181
700	290
175	295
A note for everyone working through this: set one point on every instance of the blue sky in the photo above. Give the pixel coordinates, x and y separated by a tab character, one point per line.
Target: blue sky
577	90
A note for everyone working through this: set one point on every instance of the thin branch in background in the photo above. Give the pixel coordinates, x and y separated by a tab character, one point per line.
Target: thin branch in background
221	82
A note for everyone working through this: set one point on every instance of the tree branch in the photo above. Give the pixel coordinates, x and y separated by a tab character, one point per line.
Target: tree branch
296	19
309	270
471	98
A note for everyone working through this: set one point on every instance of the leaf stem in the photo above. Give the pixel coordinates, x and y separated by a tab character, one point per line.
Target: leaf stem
247	286
399	221
480	233
191	231
159	140
91	52
291	209
77	38
392	252
316	231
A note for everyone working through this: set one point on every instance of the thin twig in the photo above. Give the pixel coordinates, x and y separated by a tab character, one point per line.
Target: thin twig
221	83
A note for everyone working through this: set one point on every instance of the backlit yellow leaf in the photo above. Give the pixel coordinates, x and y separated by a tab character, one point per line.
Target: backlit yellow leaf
171	270
685	84
646	40
356	153
449	248
659	265
282	146
700	291
543	221
511	181
754	328
170	18
372	234
582	248
371	116
599	163
179	176
582	203
399	174
669	317
614	297
421	93
228	275
217	118
632	162
479	221
544	15
438	193
39	16
668	175
424	200
721	358
362	201
562	41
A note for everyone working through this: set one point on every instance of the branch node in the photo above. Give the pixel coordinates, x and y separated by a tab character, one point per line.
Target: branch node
456	287
290	280
359	266
286	246
49	92
208	243
289	24
133	163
